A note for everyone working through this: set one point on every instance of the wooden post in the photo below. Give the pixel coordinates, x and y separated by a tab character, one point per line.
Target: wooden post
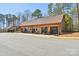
30	29
59	29
48	29
40	30
19	30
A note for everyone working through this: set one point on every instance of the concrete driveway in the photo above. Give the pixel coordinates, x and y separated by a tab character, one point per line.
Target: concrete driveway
15	44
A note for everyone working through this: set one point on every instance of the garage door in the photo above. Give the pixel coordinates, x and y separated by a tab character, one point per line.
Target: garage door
54	30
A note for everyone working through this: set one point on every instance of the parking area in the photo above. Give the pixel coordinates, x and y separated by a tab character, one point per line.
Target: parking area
27	45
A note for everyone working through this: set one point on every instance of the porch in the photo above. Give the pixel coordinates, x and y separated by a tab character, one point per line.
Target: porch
42	29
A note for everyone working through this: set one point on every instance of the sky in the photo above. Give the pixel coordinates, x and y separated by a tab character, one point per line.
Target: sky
15	8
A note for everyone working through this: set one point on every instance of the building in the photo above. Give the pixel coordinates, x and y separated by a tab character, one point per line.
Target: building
45	25
11	28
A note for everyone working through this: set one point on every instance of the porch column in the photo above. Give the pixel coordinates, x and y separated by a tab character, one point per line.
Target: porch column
19	30
59	30
30	29
48	29
40	30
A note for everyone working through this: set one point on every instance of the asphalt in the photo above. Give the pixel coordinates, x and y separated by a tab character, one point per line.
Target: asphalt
21	44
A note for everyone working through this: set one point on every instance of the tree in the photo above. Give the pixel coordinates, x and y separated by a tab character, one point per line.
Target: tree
14	18
8	18
78	12
37	13
73	11
19	17
57	9
68	23
23	18
50	9
66	7
2	20
11	19
27	15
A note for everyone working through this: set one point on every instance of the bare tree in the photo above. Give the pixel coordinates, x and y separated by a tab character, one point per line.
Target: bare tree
27	15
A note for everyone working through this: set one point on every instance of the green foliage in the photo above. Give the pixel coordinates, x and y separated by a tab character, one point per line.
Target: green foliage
57	9
68	23
2	17
73	11
50	9
11	18
78	12
37	13
67	5
14	17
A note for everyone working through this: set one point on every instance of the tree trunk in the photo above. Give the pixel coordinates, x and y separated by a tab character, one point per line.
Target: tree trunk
78	14
3	25
14	25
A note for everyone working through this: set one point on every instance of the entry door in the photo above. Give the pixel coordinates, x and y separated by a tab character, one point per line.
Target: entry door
54	30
